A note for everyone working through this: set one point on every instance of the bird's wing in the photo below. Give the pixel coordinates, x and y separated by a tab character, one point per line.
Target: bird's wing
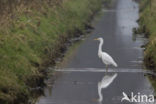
107	59
107	80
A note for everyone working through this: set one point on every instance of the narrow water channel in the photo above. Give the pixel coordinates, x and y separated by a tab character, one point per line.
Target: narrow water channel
115	25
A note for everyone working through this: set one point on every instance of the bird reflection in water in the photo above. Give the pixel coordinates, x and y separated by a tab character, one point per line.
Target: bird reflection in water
104	83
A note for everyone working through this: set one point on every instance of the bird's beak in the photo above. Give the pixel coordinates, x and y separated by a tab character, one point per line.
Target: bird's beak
96	39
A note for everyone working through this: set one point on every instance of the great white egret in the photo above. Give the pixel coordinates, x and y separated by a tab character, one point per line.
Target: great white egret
106	58
104	83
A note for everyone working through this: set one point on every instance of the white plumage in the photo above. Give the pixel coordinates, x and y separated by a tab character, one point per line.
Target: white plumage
105	57
104	83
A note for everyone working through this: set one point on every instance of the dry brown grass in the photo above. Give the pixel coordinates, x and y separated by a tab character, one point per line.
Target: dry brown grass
10	9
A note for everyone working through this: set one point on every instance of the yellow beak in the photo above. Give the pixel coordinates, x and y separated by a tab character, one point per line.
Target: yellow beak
96	39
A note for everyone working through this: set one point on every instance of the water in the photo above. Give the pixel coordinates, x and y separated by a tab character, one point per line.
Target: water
78	82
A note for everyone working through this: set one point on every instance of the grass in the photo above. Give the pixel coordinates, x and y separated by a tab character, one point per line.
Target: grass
35	39
148	26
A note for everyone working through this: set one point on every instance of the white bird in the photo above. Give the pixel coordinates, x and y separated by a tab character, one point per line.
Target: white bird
104	83
106	58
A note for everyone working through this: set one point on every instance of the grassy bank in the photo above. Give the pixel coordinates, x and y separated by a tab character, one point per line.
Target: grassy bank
147	23
32	37
148	26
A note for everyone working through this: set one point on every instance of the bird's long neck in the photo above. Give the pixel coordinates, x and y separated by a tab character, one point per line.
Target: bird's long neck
100	93
100	48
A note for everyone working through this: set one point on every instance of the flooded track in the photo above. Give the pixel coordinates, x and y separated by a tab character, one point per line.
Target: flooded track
78	85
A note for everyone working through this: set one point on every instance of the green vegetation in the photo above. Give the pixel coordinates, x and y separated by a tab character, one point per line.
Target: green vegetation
31	37
148	26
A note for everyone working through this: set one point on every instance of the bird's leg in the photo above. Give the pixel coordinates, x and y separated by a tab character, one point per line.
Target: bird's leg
106	68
